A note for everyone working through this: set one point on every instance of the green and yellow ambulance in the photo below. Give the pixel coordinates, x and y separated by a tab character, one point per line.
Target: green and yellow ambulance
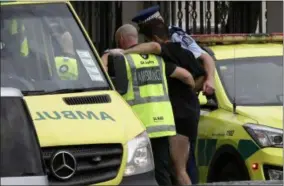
240	134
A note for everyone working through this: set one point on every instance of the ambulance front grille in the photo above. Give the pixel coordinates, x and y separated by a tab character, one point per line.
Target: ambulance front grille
105	98
95	163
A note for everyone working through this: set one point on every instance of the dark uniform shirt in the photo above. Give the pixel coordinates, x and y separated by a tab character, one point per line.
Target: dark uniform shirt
184	100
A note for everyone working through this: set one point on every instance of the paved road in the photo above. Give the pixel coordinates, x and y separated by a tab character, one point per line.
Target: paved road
270	183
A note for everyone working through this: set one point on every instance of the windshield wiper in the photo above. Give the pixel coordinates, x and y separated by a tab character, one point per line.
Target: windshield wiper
66	90
73	90
275	146
33	92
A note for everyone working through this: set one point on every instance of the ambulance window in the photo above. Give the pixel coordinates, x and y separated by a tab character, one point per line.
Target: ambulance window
49	54
253	81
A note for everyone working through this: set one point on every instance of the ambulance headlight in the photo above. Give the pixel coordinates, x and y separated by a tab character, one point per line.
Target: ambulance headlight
140	157
265	136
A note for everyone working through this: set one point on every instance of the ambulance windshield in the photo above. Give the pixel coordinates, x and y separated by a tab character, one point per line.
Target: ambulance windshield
258	80
43	49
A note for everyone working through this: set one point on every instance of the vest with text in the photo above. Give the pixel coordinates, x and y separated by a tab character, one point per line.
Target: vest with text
148	94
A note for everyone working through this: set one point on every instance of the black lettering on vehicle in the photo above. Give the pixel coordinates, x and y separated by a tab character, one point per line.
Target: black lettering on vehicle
149	75
218	134
230	132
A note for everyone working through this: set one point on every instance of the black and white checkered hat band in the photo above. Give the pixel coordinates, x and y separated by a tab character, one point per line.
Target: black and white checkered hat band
155	15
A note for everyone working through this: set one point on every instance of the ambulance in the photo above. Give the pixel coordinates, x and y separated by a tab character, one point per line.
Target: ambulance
240	133
88	134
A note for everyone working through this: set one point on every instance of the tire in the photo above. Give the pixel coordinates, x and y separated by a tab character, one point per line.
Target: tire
231	172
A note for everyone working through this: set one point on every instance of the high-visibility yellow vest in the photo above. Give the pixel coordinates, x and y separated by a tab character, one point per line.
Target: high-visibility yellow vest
148	94
67	68
17	29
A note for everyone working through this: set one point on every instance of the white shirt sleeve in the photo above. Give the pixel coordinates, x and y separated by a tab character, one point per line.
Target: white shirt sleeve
188	44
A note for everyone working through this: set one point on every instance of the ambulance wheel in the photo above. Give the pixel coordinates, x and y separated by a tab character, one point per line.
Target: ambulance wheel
231	172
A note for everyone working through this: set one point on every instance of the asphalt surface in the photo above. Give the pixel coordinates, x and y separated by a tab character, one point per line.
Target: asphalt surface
270	183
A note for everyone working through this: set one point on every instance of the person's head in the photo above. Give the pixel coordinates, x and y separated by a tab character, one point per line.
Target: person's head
126	36
66	42
155	30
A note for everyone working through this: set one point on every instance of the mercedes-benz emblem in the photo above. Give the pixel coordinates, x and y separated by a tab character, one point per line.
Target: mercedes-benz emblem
63	165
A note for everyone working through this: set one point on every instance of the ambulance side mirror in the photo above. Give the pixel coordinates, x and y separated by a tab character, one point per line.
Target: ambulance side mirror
118	73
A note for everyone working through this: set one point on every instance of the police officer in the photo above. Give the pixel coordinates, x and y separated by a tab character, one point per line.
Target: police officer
148	96
187	43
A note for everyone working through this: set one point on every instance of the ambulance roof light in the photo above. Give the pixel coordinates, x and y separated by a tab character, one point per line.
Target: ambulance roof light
237	38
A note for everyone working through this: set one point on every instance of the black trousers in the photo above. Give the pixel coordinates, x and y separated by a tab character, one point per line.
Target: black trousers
161	153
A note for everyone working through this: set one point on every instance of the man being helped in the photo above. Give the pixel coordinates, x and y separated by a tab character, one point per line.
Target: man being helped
188	43
148	96
184	100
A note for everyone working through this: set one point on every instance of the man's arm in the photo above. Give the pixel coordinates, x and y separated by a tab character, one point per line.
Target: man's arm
145	48
104	60
184	76
198	52
209	66
173	71
199	83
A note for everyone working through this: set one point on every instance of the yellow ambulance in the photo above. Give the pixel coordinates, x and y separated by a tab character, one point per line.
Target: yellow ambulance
88	134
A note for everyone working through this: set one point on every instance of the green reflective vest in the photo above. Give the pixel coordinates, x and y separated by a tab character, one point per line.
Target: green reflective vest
148	94
67	68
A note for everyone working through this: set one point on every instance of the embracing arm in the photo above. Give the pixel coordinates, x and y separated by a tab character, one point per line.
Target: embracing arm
145	48
184	76
209	65
179	73
104	60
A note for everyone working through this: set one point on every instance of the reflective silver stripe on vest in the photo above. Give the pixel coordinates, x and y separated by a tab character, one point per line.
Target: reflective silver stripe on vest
160	128
137	97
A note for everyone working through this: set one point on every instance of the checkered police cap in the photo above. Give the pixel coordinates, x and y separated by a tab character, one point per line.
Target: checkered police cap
147	14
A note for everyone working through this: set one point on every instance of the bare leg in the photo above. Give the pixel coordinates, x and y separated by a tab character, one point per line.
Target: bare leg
179	149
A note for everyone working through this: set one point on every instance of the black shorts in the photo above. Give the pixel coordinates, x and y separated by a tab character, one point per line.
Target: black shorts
188	126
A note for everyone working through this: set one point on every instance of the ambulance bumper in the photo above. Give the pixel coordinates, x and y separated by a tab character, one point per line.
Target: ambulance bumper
147	178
